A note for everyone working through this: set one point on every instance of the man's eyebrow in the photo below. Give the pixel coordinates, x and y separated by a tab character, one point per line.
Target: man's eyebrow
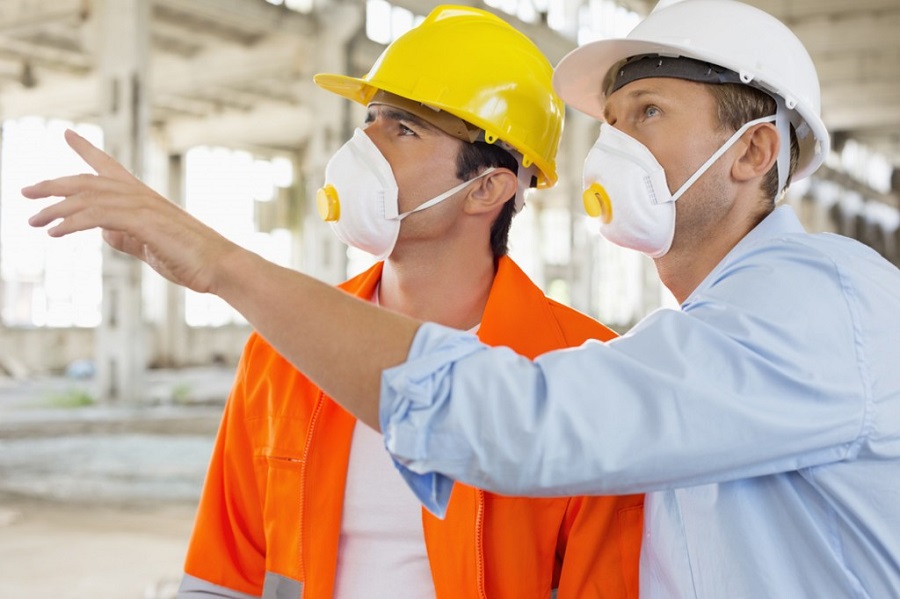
640	92
635	94
397	114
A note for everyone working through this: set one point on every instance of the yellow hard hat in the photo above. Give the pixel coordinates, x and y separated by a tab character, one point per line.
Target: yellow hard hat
473	65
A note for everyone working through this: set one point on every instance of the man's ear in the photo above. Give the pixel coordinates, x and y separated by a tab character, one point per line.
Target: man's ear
491	191
759	153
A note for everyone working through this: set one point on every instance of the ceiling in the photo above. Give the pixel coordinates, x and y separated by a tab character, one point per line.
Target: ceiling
856	48
240	70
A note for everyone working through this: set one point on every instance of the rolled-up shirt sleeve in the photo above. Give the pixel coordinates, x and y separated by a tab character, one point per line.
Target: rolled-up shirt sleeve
410	394
726	389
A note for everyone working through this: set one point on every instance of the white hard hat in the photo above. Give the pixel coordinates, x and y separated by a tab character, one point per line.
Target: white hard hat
726	33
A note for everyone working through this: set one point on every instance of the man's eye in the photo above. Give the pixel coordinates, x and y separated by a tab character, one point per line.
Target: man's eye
404	130
651	111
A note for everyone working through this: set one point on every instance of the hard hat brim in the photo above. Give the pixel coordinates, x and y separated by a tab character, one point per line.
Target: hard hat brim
351	88
580	76
361	91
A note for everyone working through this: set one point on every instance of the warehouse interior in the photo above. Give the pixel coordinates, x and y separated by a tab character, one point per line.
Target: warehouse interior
212	103
173	88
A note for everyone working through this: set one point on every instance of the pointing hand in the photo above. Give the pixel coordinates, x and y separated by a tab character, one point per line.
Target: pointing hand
134	218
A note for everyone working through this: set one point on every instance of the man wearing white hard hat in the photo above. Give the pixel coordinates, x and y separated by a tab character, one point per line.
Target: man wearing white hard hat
762	417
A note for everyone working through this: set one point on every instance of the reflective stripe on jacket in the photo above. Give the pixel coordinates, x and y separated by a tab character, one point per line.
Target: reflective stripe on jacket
269	518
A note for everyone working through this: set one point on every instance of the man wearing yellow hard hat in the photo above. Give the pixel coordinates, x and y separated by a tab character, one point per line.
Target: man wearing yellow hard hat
300	501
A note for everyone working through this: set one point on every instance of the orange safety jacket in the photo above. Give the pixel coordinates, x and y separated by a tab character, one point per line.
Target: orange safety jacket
269	518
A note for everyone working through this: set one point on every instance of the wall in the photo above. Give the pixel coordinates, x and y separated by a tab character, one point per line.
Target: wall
30	351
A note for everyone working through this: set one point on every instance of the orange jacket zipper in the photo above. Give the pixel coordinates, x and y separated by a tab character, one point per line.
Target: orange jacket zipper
479	542
320	401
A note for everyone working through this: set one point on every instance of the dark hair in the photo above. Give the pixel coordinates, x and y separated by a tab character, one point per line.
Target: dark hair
471	160
738	104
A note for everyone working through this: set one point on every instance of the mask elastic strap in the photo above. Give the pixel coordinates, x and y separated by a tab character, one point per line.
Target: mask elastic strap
524	175
718	153
783	125
446	194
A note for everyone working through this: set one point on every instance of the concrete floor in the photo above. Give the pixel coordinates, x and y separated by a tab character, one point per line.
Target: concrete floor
67	550
97	502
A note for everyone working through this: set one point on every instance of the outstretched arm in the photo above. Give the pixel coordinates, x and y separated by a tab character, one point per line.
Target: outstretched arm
341	343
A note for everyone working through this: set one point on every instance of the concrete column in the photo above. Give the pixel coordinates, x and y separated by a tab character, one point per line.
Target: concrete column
323	255
297	207
2	282
580	134
895	253
175	336
540	268
123	46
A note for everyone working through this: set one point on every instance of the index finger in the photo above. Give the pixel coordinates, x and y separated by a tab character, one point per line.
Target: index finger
104	164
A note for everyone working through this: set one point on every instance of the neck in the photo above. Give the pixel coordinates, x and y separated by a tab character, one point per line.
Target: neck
682	273
449	286
695	254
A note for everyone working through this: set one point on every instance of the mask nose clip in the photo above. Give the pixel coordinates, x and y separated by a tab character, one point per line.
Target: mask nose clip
596	203
327	203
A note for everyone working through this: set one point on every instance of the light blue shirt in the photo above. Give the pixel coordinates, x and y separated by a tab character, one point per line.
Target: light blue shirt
762	419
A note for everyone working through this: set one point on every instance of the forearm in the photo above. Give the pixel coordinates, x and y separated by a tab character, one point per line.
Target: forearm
340	342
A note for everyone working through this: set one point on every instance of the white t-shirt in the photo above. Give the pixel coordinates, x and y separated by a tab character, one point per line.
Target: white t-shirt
382	545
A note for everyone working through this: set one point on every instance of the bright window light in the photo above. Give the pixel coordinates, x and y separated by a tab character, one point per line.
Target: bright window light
866	166
262	181
378	21
386	22
510	7
401	21
592	20
603	19
527	12
556	238
221	189
304	6
282	172
45	282
524	10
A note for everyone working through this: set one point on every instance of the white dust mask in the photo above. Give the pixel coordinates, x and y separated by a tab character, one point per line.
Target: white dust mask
360	197
626	187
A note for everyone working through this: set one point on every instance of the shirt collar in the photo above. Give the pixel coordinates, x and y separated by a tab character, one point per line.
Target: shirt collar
781	221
